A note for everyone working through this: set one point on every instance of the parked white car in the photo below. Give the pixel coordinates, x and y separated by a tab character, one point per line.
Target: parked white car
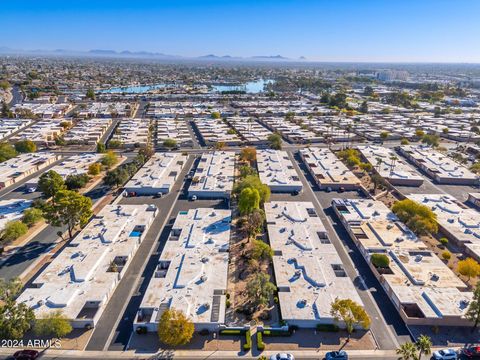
445	354
282	356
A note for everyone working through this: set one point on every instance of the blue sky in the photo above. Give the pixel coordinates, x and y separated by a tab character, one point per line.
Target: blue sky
324	30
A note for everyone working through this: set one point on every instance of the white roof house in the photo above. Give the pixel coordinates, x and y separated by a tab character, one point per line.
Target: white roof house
390	166
191	275
439	166
328	170
422	288
459	222
276	170
74	165
308	270
81	279
214	175
159	174
23	165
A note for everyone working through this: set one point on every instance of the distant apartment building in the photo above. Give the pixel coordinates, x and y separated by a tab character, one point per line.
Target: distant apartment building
328	170
439	166
390	166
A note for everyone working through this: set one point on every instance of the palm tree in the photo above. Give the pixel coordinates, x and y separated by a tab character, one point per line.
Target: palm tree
423	345
379	162
393	158
407	351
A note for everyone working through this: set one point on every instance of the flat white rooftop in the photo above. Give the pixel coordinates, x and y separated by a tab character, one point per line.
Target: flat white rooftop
80	280
191	274
327	169
214	175
460	221
439	166
308	270
74	165
159	174
24	165
276	170
391	167
416	278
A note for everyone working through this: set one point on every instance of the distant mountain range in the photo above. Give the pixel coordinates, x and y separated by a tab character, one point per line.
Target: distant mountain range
141	55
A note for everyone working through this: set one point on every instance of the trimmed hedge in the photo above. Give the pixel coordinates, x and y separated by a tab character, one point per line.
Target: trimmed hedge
327	328
260	343
232	332
248	341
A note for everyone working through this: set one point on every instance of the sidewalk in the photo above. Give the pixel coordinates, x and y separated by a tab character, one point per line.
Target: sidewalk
196	354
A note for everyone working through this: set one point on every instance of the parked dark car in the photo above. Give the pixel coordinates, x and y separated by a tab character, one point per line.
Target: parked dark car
472	352
26	355
336	355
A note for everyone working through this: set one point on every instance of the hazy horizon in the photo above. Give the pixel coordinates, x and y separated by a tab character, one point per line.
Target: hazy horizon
370	31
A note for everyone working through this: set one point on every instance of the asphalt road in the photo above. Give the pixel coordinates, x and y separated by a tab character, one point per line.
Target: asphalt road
17	96
116	321
387	326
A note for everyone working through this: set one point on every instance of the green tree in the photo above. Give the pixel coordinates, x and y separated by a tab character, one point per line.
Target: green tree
473	311
76	181
109	159
423	345
50	183
114	144
116	178
350	313
363	107
431	140
246	171
10	289
174	328
54	324
170	143
253	181
25	146
384	135
248	200
261	250
31	216
248	154
7	152
15	319
419	218
101	148
90	94
469	268
275	141
69	208
404	141
260	289
380	260
419	133
13	230
253	223
216	115
377	180
407	351
94	169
